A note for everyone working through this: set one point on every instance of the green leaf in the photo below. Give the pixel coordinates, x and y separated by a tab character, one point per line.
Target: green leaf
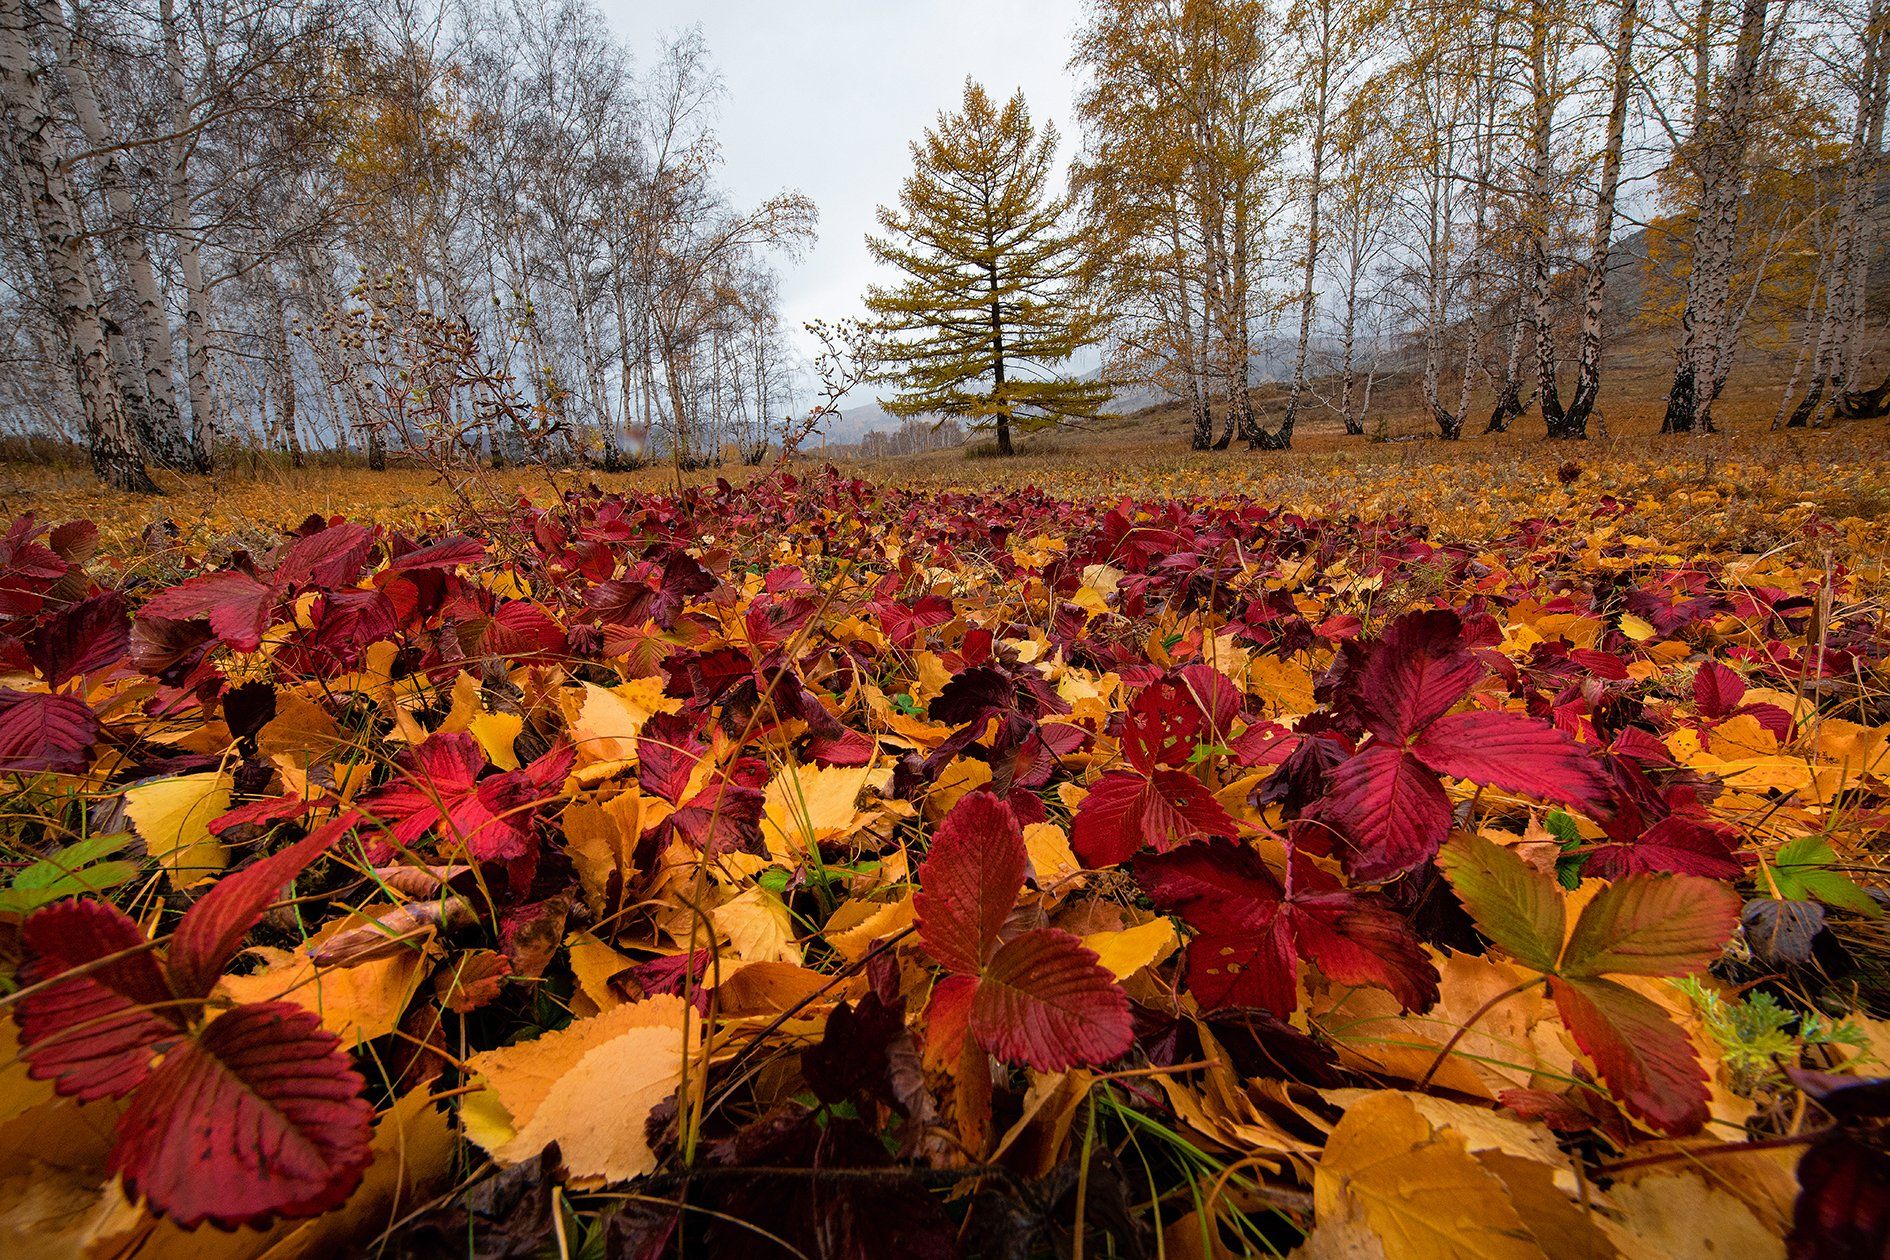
1652	925
1801	870
1568	868
1516	906
71	872
1561	824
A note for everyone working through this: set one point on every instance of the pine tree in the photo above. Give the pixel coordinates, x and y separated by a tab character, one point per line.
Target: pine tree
986	310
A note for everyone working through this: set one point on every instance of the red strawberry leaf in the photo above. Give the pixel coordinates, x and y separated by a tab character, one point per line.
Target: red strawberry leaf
326	559
214	927
1652	925
1355	939
1162	727
1717	690
44	732
1390	806
1644	1057
948	1019
442	788
1416	671
969	882
80	638
260	1116
236	605
1123	812
92	1035
1251	930
1517	754
1045	1001
1678	843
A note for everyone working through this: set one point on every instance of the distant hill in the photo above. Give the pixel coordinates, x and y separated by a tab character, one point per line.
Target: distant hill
854	423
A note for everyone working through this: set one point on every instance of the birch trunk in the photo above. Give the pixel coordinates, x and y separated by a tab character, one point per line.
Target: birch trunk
1601	234
116	456
1699	370
156	416
197	381
1308	295
1846	275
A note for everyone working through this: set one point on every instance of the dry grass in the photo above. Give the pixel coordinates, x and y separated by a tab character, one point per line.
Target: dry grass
1743	492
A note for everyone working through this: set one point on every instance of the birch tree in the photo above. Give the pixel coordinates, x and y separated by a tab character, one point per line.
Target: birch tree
66	248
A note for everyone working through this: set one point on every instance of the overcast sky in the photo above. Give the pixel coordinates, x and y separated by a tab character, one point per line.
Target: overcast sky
823	96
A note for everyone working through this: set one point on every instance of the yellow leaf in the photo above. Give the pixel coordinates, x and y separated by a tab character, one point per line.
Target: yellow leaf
1126	952
602	840
1482	1130
1050	853
465	706
758	927
608	721
960	776
356	1003
495	733
1677	1216
1741	736
1638	629
1505	1047
590	1087
593	963
174	815
1419	1190
769	988
1285	687
858	925
807	804
19	1092
301	730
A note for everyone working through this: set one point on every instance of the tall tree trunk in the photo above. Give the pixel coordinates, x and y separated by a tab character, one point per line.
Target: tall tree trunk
1864	239
203	419
1699	370
282	369
1348	357
1541	197
1438	228
1192	348
1510	402
116	456
1000	407
1601	235
1811	347
1847	269
156	416
1308	295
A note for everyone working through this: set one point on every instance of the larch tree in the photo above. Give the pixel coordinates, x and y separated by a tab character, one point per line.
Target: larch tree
986	312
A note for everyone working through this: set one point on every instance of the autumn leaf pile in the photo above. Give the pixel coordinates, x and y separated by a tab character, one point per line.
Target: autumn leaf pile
814	867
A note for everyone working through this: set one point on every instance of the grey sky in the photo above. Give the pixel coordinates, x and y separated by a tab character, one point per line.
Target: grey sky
825	95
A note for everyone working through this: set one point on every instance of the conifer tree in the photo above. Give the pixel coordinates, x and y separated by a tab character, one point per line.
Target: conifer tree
986	310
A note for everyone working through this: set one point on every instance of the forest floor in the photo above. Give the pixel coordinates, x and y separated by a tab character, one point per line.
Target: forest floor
1379	848
1747	490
